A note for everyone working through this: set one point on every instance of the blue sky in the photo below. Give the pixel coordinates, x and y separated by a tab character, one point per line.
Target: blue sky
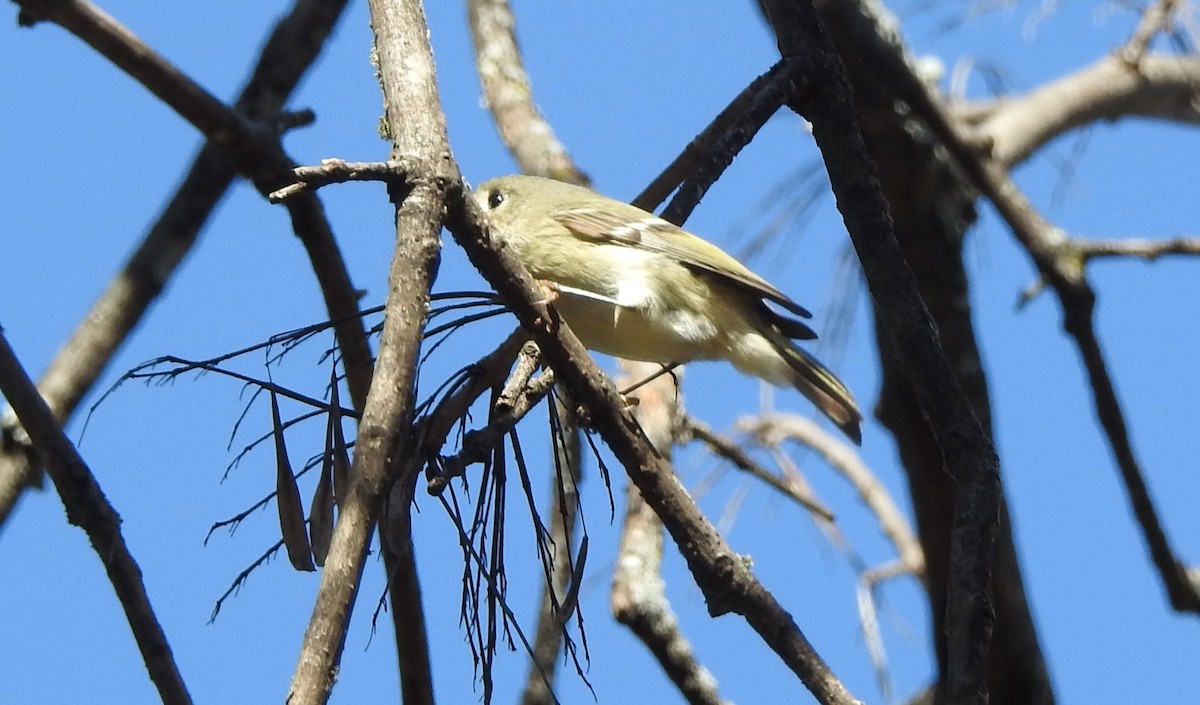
92	157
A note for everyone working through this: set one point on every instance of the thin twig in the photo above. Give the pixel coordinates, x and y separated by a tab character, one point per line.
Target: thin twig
726	448
773	429
1143	249
1155	18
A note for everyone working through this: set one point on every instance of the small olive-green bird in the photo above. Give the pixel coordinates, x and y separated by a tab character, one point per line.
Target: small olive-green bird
633	285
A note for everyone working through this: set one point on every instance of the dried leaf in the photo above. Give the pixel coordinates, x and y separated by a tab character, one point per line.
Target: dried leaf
320	513
571	599
287	498
341	457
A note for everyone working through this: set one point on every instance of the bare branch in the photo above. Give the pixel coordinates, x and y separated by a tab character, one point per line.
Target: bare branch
253	146
416	125
1083	251
1052	253
773	429
509	97
638	596
338	171
1155	18
1143	249
88	509
1159	87
822	95
691	427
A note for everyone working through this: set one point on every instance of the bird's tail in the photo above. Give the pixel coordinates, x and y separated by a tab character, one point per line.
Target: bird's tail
823	389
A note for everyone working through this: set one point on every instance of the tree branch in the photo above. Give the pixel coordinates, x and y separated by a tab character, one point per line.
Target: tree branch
416	125
509	96
88	508
1159	87
1144	249
692	428
638	596
1059	263
822	95
773	429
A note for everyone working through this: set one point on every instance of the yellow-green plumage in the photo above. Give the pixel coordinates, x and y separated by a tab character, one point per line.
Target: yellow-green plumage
633	285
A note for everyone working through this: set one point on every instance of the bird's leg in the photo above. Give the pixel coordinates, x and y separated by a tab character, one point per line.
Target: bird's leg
550	291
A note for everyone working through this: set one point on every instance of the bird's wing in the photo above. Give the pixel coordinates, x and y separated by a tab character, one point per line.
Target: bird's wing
636	228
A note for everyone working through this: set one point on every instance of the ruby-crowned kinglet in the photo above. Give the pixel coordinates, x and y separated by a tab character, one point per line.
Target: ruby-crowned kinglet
633	285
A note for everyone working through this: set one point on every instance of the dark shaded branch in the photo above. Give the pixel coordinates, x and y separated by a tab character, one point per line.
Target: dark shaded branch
1079	309
1060	266
89	509
932	204
822	95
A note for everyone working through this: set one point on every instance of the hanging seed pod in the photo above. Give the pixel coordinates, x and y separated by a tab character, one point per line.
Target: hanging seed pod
341	457
320	512
287	498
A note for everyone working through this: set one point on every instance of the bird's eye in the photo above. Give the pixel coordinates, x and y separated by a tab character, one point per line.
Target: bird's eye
494	199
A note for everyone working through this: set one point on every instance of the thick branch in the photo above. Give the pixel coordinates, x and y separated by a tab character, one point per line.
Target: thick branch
822	95
1060	265
417	127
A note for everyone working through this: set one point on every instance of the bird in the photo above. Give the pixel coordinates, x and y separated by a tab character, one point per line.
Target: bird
636	286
